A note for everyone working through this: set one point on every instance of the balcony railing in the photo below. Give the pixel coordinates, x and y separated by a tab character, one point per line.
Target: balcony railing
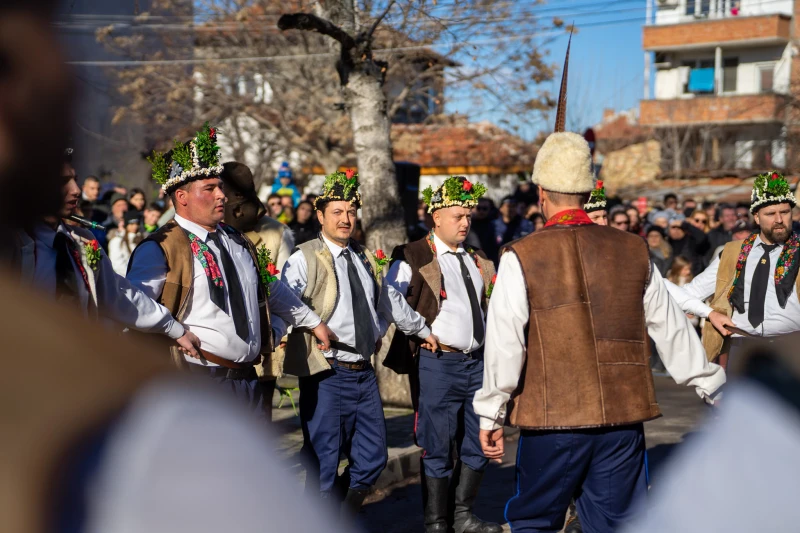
726	109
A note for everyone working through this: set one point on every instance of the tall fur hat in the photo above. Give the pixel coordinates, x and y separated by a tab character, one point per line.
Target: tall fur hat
564	162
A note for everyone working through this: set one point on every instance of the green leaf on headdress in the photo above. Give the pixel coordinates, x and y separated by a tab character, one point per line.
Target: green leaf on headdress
160	168
206	144
772	183
182	154
427	194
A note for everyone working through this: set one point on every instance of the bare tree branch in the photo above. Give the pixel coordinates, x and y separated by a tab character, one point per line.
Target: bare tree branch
309	22
379	20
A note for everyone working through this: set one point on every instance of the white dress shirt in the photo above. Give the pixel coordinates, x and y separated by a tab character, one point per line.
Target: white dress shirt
117	298
453	325
119	253
214	326
392	307
678	345
777	320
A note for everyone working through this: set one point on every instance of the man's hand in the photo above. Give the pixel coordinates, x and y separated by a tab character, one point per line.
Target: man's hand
378	345
431	343
324	336
492	444
189	344
719	321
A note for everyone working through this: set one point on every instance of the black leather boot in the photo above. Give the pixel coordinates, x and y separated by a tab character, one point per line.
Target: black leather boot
434	502
353	501
466	492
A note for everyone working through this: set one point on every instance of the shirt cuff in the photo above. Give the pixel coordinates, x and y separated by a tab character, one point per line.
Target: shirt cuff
310	321
424	333
706	310
490	425
176	330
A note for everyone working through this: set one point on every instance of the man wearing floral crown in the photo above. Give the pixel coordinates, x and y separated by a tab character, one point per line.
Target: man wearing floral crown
66	262
567	352
449	284
340	407
208	275
753	282
596	206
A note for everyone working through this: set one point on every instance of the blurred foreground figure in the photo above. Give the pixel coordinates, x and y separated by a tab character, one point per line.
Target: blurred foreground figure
755	474
97	435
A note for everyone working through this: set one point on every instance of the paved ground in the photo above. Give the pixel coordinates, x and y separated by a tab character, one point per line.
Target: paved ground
398	509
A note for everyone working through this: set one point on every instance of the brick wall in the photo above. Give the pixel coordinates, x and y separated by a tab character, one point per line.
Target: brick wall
713	109
713	32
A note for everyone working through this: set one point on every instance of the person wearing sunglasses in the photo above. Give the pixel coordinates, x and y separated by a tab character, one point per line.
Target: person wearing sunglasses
619	219
699	219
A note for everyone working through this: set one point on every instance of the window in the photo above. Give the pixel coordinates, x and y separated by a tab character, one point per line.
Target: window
730	66
698	8
762	155
700	79
766	78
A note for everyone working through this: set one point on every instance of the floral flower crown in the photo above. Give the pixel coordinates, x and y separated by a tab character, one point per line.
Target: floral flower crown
770	189
597	198
455	191
196	159
340	187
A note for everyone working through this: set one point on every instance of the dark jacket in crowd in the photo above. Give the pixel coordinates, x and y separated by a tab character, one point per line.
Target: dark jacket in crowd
517	228
716	238
304	232
483	236
694	247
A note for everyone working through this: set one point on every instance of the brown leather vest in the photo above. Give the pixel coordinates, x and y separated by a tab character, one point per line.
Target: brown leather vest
588	351
175	244
424	296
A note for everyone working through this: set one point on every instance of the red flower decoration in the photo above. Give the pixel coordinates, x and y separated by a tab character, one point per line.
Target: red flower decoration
272	269
600	184
443	294
379	254
774	176
212	132
494	279
467	185
350	173
95	245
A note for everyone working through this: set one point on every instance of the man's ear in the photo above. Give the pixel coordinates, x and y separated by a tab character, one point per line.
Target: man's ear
320	216
237	211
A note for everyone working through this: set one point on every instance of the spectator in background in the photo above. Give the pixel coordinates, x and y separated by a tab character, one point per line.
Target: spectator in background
151	215
482	234
743	211
723	233
124	241
304	226
510	226
538	221
796	219
680	273
688	241
86	210
660	250
137	200
689	206
741	230
526	194
635	220
660	219
284	185
274	206
117	206
91	189
287	210
671	202
618	218
424	224
699	219
711	212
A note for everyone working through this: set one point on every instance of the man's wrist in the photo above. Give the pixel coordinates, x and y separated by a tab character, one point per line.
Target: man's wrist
176	330
490	425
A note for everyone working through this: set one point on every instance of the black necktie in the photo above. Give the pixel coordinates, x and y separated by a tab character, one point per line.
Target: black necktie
238	311
365	335
66	279
758	288
474	303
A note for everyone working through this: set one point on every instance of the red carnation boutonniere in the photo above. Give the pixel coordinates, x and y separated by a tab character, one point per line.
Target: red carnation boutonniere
467	186
774	176
490	288
350	173
212	132
381	259
266	268
600	184
92	250
443	294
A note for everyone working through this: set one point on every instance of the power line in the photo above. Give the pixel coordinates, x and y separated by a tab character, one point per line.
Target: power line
294	57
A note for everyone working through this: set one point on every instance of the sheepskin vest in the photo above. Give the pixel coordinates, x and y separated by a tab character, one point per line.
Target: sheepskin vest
321	294
587	347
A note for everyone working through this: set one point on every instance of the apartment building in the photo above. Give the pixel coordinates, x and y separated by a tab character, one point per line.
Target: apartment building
718	78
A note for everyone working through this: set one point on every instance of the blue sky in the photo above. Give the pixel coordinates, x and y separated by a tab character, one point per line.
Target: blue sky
606	62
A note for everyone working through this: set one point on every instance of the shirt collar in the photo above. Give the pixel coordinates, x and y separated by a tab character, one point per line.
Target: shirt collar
190	226
758	242
45	234
335	249
442	248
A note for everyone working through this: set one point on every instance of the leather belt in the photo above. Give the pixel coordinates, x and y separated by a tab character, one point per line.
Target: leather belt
357	365
227	363
446	348
222	372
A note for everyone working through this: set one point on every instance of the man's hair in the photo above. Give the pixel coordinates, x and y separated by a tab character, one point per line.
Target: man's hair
91	178
273	195
689	200
723	207
562	198
618	210
183	187
154	207
670	196
322	204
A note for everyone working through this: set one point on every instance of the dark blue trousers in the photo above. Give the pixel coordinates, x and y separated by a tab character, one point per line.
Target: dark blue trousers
445	418
247	390
603	469
342	415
